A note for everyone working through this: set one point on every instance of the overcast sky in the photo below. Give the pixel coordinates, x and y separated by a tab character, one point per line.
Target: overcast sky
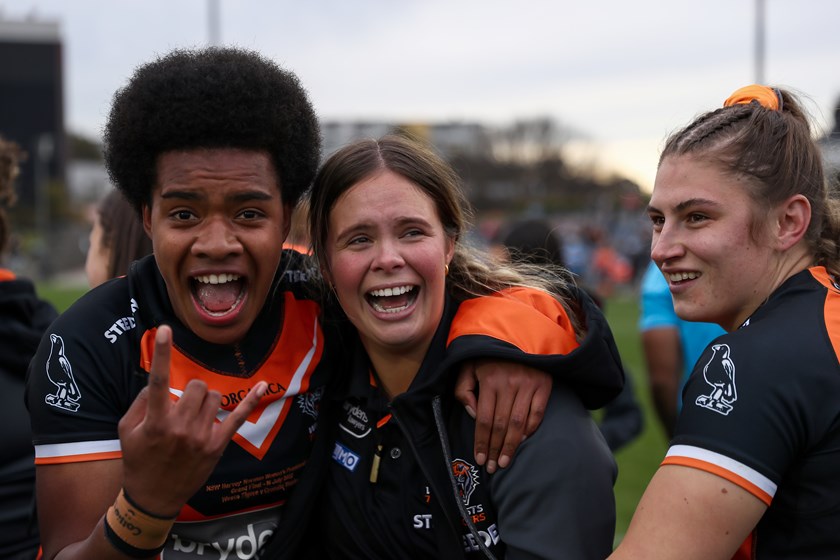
624	73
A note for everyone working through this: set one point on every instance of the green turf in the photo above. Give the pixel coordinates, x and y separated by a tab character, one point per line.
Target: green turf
61	296
636	462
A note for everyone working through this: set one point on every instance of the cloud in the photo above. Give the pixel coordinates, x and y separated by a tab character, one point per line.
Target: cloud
621	72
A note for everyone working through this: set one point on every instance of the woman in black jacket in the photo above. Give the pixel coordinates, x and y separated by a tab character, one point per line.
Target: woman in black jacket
387	221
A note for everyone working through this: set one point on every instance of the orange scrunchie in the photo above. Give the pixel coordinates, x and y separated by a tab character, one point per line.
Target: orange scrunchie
768	98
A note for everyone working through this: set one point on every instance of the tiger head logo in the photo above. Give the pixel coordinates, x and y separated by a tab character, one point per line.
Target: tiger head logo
310	403
466	479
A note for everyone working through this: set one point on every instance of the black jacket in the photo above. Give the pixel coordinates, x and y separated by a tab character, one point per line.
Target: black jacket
23	319
431	500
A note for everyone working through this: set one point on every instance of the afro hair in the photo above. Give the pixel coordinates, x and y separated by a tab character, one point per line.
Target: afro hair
211	98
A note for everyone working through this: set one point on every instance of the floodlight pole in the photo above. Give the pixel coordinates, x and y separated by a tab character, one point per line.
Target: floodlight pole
759	41
214	33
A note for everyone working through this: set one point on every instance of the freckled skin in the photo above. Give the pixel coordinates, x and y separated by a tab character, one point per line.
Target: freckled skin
701	224
385	231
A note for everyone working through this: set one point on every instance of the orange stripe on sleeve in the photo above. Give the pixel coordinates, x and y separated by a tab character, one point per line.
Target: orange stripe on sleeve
104	456
530	319
721	472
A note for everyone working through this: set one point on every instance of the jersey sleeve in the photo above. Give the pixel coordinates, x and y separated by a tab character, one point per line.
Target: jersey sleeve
530	327
556	498
82	380
748	414
528	319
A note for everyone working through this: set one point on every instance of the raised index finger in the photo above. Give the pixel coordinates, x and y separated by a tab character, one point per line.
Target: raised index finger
159	374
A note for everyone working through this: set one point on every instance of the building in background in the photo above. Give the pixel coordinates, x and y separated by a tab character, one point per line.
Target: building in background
32	104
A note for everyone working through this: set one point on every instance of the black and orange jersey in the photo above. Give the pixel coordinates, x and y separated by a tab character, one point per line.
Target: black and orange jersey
94	361
762	409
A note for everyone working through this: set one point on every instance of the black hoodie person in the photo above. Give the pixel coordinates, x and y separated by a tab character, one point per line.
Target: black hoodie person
23	319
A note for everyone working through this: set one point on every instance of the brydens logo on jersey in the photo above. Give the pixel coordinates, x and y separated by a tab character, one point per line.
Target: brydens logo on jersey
239	537
60	373
719	372
356	422
466	479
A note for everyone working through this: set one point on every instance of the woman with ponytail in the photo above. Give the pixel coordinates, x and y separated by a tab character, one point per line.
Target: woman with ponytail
746	232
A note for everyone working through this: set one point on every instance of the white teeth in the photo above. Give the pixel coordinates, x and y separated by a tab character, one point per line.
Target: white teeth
217	278
397	291
381	309
678	276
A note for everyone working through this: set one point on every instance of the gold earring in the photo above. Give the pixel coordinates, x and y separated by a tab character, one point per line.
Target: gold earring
446	270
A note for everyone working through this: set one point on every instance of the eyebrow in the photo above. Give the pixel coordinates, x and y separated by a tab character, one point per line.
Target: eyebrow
691	202
367	224
185	195
250	195
236	197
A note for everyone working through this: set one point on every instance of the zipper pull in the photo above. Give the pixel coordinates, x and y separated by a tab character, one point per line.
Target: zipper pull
374	467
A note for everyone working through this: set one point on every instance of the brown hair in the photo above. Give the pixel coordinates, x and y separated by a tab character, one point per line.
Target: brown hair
472	271
775	151
10	156
122	233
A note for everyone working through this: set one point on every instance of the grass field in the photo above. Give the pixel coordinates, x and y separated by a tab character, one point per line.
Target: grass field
636	462
59	295
639	459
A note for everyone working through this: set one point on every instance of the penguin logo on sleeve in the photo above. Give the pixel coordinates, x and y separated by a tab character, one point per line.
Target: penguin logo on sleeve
60	372
719	372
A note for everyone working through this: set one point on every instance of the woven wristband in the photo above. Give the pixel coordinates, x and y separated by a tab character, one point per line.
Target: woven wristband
133	531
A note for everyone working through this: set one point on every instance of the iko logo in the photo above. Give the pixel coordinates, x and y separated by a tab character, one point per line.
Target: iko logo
60	373
345	457
719	372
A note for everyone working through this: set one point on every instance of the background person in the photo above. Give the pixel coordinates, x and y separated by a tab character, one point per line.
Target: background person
747	235
23	319
387	221
670	346
533	241
117	239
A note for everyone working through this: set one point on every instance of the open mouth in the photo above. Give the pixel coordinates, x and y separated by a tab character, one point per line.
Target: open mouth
392	300
218	294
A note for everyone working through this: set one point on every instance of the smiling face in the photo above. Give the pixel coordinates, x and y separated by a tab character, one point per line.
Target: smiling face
217	223
716	269
386	252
